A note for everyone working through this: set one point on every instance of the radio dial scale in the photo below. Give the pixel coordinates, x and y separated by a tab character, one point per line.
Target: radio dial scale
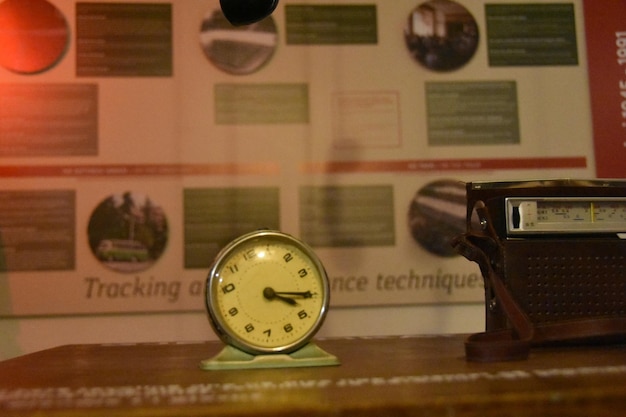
563	215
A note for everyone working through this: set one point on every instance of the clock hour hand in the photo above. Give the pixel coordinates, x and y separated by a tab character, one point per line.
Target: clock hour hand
270	294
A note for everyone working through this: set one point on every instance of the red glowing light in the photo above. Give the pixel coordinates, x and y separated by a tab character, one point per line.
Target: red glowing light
33	35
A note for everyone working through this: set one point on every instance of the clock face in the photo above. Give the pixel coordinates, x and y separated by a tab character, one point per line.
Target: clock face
267	292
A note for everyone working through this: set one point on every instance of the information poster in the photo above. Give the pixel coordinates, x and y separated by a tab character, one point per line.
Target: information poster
157	132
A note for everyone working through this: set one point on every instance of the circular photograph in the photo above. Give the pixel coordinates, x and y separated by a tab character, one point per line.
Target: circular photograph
237	50
34	35
437	214
128	232
441	35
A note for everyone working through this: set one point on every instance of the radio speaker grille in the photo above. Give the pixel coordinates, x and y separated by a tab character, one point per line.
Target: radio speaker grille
567	279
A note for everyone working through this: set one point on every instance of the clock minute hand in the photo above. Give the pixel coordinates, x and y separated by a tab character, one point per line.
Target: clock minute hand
303	294
270	294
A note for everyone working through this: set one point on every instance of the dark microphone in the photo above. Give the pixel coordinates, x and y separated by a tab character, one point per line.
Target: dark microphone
245	12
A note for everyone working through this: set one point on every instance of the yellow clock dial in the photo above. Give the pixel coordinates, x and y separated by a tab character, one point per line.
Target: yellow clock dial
267	292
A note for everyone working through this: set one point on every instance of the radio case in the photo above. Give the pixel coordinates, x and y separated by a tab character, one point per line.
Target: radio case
544	288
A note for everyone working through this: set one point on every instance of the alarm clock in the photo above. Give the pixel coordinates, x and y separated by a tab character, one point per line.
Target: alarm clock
267	295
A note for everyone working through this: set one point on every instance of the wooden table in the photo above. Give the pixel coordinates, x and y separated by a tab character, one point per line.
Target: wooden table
396	376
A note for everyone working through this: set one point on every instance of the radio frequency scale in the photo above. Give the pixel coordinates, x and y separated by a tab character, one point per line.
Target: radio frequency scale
528	215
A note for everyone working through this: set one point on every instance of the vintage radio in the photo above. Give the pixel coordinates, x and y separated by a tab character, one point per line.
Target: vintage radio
553	256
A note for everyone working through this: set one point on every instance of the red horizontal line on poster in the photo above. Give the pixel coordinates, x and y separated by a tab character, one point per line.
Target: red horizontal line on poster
445	165
113	170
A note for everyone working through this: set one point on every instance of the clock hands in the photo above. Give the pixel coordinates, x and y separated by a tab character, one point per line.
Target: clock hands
303	294
270	294
285	296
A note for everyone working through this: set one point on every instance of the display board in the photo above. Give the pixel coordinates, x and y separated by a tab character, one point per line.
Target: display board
158	132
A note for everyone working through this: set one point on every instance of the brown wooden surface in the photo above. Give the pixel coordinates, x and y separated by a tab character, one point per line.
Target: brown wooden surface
420	376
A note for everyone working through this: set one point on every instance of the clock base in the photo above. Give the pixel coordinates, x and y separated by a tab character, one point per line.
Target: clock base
232	358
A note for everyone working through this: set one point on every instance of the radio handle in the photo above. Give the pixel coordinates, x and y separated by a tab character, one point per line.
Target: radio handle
510	344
